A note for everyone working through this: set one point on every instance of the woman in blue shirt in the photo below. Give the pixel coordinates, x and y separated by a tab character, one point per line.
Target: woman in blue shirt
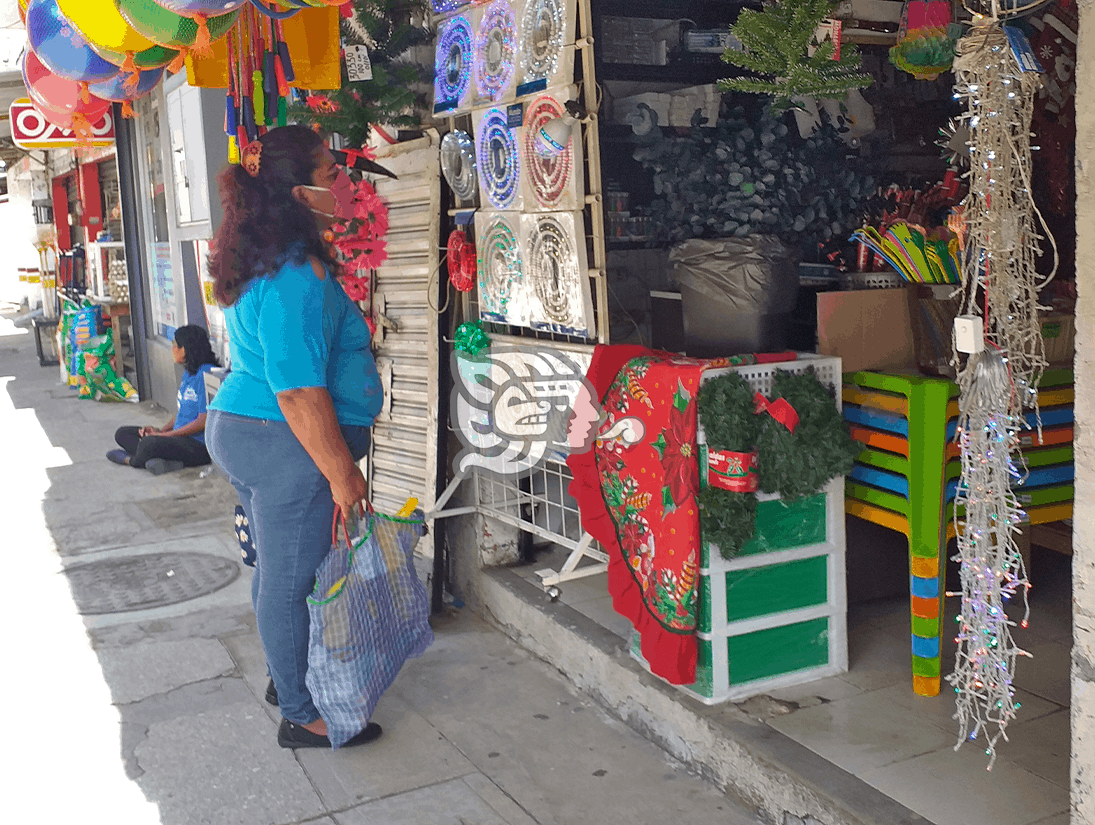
181	441
291	420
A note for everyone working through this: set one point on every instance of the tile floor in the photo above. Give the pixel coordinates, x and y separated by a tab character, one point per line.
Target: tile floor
869	722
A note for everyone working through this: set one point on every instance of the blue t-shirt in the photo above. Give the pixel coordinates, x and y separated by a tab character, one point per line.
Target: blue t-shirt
291	330
192	398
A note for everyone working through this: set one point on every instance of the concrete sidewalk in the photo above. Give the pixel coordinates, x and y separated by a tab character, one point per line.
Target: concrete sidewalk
157	716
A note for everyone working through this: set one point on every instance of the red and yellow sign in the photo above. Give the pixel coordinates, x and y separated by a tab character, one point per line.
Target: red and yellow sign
31	130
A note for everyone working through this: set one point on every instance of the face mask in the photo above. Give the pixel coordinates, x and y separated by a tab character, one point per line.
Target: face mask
343	192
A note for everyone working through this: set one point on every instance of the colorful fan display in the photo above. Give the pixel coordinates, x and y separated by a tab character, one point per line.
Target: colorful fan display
502	294
453	66
561	300
458	166
495	52
499	160
85	54
546	29
549	181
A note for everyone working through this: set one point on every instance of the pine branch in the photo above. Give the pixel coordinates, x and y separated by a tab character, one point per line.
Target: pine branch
390	96
776	42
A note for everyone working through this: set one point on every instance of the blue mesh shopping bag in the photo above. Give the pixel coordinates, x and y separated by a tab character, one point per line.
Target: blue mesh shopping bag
369	613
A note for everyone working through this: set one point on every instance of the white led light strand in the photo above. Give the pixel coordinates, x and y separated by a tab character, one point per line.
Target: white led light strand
553	270
1000	290
543	35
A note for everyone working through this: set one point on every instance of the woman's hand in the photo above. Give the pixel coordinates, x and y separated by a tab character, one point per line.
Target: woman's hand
348	489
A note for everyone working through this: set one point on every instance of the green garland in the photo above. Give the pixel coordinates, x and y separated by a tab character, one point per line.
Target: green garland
799	464
727	412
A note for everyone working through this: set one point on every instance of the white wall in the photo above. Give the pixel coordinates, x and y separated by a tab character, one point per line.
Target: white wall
18	234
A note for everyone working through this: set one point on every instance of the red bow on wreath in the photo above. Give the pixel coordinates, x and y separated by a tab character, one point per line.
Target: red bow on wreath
780	409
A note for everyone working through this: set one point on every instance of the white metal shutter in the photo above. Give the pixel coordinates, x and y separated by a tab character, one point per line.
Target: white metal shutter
404	453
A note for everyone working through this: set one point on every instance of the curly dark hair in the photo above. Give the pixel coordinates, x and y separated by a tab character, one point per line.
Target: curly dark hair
262	220
194	341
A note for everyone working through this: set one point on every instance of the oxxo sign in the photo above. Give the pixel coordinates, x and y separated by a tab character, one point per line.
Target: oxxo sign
31	130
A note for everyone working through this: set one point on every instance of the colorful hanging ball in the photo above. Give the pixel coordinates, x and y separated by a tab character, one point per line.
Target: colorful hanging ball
306	4
104	27
61	46
76	121
170	29
207	8
58	94
154	57
119	89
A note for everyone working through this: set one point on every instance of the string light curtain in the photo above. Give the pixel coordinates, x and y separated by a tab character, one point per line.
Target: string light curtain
999	382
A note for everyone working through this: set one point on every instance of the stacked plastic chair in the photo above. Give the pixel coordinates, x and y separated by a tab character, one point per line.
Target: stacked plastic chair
906	477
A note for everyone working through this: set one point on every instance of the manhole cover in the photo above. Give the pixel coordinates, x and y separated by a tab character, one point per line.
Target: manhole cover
153	580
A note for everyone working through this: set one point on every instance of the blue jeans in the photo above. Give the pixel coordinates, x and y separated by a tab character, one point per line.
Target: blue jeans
288	503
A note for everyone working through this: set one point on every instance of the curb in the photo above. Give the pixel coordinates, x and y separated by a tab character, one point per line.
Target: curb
785	782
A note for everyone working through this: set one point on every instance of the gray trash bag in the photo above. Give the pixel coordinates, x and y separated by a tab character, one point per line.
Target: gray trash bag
735	293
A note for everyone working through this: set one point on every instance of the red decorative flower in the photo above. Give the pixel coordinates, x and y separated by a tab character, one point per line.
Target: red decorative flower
320	103
361	241
679	454
631	537
357	289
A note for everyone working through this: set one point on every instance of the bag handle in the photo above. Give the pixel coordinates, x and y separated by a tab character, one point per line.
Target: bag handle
349	528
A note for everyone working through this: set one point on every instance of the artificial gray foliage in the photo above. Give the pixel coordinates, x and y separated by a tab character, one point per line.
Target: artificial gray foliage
752	173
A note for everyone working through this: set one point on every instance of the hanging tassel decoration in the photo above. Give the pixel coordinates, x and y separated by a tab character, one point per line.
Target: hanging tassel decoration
129	66
203	42
127	109
177	64
85	93
81	127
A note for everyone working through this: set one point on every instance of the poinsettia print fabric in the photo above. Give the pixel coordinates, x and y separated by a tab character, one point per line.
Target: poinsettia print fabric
650	486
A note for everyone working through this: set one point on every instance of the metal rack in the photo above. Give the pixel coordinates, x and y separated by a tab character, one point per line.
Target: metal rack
540	504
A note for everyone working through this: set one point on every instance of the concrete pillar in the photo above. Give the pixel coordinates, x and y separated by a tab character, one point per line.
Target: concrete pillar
1083	560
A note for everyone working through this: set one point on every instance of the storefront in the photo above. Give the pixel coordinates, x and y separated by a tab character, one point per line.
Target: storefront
636	182
178	148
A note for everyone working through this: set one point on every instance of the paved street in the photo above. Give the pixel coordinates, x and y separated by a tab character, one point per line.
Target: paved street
156	715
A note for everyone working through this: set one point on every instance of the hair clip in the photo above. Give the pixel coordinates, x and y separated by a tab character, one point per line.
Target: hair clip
251	157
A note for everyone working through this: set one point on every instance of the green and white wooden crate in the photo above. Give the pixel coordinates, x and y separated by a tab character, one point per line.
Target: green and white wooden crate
775	615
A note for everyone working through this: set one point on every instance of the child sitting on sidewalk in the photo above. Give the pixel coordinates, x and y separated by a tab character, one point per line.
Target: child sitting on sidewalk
181	441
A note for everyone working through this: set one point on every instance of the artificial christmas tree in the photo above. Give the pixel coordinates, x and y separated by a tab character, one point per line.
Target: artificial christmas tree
388	29
780	42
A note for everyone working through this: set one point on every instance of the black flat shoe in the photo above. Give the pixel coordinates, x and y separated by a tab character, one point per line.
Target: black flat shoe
292	735
272	694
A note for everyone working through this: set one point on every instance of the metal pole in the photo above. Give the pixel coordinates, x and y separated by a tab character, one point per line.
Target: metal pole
126	147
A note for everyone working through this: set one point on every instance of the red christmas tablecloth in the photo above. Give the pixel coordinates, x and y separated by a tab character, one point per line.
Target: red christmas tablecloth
636	490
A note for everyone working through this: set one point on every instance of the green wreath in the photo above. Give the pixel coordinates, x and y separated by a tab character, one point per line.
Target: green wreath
726	410
799	464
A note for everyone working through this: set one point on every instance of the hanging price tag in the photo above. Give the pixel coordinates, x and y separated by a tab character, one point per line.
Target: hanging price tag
358	65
